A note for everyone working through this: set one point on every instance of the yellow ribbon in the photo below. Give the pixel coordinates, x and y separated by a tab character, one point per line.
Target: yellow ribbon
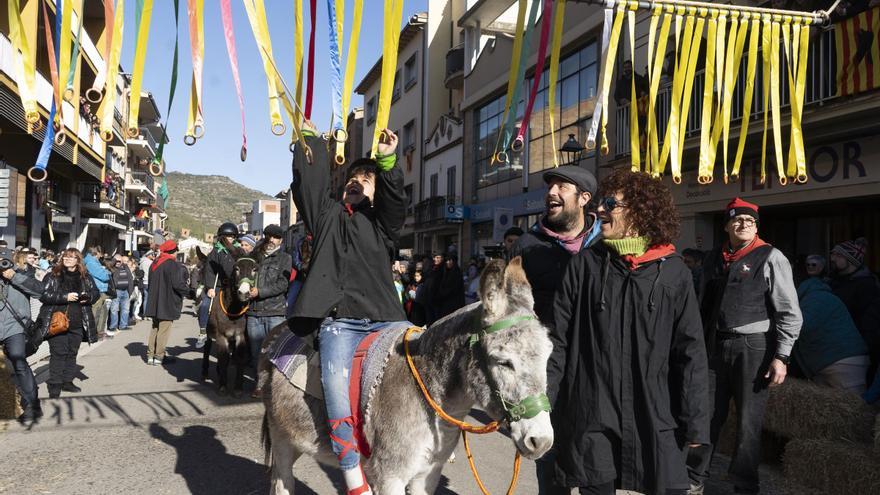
605	83
670	140
654	74
350	64
798	169
635	151
64	57
514	70
393	17
23	34
195	126
108	103
735	45
704	175
137	71
74	97
256	12
299	51
555	47
686	94
751	70
770	39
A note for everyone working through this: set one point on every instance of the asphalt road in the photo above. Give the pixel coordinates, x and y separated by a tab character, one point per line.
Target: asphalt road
136	428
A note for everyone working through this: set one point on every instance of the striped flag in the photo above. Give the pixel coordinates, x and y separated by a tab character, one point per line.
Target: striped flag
858	52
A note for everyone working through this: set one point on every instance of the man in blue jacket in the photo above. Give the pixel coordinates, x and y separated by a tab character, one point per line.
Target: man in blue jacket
101	276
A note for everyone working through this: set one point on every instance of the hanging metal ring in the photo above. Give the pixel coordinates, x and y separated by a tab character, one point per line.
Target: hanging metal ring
94	95
31	176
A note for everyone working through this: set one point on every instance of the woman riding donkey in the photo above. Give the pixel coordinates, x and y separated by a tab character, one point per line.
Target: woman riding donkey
351	293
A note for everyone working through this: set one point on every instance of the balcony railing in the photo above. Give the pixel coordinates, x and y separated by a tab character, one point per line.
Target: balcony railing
821	87
96	194
432	211
455	67
139	179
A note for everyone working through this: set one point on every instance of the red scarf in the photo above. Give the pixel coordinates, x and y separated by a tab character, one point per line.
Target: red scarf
652	254
739	253
163	257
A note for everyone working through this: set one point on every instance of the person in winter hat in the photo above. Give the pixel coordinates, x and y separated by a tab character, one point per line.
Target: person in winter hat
857	287
168	286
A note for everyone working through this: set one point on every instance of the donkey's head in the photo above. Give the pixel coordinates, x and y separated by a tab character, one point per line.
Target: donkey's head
244	275
508	371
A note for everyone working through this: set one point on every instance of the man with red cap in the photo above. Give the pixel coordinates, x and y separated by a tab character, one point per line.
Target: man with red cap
168	285
752	318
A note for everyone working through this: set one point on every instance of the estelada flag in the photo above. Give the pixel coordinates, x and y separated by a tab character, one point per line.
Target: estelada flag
858	52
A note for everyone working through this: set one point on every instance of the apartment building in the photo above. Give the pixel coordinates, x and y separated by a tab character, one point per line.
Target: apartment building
73	207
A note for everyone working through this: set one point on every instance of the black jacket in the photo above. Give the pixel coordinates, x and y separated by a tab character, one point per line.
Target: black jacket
168	286
635	373
273	279
450	291
54	298
544	260
219	263
352	251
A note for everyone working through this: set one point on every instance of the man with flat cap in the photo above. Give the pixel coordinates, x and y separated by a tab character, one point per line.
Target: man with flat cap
565	229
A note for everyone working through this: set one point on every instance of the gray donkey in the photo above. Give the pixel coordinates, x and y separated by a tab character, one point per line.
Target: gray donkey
492	355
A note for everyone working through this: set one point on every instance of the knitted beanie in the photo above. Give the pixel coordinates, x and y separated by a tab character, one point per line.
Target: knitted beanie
853	251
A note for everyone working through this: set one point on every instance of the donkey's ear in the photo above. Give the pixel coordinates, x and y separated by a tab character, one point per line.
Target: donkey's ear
516	285
492	292
200	254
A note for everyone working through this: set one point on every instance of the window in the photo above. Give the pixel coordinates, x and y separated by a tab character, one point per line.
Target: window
371	110
487	127
410	71
409	135
396	93
435	179
408	191
450	181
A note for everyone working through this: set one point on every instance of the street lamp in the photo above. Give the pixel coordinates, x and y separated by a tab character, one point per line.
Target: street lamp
572	150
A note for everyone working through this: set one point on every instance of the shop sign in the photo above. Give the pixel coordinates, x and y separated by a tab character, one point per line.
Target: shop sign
835	165
456	213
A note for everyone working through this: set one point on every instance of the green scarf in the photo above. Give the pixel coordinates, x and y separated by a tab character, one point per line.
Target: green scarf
628	246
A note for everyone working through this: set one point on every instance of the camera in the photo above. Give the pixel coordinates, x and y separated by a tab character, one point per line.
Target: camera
6	264
84	297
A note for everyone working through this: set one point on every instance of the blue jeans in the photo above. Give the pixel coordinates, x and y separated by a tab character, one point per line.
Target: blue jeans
337	341
257	329
14	348
119	310
144	301
203	312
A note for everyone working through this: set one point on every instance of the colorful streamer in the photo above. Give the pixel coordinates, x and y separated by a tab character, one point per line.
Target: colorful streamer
748	92
157	167
23	35
546	22
229	34
555	47
195	127
256	12
512	115
310	76
635	151
94	94
513	79
108	102
142	22
340	135
70	94
704	173
38	173
393	18
610	38
653	145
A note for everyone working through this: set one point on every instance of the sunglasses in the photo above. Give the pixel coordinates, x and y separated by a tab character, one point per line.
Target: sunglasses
610	203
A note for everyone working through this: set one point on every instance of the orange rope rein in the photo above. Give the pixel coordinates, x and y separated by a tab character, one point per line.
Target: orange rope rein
223	306
463	426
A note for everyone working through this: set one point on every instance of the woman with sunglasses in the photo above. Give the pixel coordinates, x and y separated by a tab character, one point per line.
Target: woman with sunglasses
69	290
628	370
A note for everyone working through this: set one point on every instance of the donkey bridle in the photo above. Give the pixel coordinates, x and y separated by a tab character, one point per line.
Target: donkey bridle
528	407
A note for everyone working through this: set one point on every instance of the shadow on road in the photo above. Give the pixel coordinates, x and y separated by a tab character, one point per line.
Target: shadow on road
86	409
207	467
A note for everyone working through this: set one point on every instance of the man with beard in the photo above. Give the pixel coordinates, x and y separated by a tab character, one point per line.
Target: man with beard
565	230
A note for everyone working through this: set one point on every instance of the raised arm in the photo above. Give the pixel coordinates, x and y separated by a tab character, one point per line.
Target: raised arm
311	179
390	200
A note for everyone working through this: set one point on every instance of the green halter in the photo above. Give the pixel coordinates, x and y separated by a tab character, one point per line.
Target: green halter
527	408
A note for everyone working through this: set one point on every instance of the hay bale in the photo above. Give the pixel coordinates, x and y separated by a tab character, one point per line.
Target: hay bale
8	393
827	466
877	434
798	409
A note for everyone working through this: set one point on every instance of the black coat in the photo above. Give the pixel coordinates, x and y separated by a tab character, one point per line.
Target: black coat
352	251
168	286
450	291
54	298
634	374
273	280
218	264
544	260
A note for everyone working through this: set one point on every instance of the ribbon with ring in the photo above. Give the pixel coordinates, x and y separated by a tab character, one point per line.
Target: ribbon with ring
555	47
652	152
310	76
23	35
229	34
70	89
108	102
195	127
635	149
38	172
546	22
513	80
95	93
391	39
610	38
340	135
143	15
156	165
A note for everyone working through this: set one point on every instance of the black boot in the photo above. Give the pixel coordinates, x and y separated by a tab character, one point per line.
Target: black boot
70	387
54	390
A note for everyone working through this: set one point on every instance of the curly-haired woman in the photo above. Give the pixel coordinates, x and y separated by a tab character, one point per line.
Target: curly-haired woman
68	289
629	363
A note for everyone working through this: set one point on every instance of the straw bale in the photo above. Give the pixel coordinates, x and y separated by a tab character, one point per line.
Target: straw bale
8	394
798	409
829	466
877	434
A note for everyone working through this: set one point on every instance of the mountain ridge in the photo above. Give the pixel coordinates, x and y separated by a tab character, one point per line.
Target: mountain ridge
201	203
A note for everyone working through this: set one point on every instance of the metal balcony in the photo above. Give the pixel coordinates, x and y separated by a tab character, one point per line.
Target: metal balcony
432	211
140	183
455	67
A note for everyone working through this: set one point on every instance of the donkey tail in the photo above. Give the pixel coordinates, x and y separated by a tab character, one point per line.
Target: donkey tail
266	441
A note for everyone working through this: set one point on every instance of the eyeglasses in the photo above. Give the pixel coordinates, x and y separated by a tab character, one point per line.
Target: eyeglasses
745	222
609	203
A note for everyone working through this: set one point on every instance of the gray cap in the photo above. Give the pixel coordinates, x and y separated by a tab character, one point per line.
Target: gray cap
581	177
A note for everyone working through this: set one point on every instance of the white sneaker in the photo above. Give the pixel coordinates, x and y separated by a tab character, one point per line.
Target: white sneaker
200	342
110	333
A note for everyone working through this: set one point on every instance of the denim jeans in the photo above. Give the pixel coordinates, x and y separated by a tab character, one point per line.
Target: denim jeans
737	370
337	341
203	312
144	302
119	310
14	348
257	329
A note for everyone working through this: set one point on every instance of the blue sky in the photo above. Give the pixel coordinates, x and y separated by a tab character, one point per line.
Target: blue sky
268	164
